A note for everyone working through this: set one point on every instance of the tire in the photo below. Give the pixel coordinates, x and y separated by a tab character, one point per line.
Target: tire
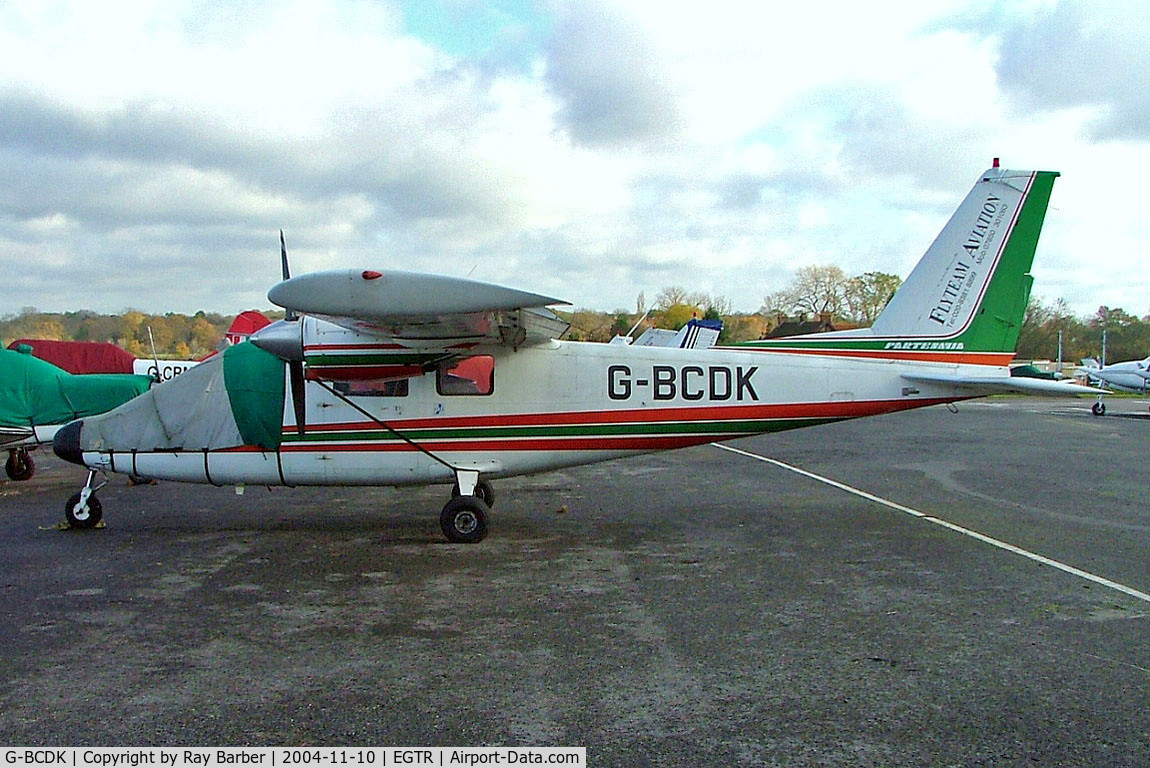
1098	409
20	465
483	490
86	518
464	520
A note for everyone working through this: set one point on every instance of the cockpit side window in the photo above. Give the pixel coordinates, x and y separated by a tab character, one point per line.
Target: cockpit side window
469	376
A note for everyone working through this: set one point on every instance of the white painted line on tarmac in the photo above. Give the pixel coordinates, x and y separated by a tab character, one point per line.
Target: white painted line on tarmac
945	524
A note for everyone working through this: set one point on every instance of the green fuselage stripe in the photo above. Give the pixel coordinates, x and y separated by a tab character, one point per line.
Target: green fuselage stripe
563	430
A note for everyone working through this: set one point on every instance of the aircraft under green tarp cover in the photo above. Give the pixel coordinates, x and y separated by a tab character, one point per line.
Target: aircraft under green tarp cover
36	393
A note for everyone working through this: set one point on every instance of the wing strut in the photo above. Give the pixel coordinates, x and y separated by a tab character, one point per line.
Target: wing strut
390	428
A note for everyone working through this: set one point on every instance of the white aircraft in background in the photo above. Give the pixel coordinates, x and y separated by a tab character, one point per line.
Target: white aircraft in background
696	334
379	377
1129	376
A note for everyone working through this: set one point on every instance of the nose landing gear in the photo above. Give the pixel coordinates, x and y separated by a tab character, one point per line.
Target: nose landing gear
84	510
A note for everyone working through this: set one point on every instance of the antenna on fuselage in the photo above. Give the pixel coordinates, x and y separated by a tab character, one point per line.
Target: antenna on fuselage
155	357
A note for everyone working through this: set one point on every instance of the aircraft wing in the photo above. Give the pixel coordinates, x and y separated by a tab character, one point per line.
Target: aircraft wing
12	436
428	310
991	385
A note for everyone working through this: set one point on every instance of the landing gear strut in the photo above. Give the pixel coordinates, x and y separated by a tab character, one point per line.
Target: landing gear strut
20	465
483	490
84	510
464	519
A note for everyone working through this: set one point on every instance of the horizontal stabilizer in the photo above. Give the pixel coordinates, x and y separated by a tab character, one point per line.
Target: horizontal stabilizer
991	385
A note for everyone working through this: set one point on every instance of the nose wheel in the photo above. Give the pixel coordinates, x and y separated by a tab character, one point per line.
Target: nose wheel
83	513
84	510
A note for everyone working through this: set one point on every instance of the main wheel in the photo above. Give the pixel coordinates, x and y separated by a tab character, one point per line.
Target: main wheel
1098	409
483	490
84	517
464	520
20	465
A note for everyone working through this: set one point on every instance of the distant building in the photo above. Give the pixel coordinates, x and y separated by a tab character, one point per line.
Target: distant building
801	326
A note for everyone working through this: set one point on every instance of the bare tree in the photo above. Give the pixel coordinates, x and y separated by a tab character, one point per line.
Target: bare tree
717	306
816	290
672	295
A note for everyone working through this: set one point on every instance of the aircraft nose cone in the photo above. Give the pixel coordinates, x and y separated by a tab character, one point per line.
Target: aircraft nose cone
66	443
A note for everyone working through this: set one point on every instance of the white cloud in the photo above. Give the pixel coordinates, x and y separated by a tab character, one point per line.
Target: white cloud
1076	54
151	154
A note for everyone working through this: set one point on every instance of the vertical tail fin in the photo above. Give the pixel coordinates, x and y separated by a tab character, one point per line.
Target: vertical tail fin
973	283
966	299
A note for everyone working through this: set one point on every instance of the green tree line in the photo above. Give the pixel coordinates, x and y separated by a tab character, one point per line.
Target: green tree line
1127	336
176	336
814	291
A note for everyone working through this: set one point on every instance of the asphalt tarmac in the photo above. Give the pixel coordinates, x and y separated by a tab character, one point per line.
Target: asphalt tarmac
693	608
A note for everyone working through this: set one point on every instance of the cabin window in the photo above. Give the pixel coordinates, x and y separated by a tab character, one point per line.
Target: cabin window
469	376
372	388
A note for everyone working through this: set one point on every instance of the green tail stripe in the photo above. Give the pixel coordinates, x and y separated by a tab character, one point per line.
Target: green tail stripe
998	320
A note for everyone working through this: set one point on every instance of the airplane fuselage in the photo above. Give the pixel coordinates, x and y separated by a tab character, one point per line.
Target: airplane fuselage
1131	376
548	406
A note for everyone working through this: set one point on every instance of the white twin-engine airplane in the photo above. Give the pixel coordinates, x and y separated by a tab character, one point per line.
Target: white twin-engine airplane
1130	376
382	377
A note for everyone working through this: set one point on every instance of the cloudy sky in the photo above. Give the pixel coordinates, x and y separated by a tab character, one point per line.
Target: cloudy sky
151	151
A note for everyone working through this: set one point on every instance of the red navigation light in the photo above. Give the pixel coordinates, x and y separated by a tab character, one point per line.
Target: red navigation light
996	162
371	274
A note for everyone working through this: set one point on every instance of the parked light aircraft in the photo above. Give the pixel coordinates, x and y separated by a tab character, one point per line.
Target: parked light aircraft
380	377
36	398
696	334
1129	376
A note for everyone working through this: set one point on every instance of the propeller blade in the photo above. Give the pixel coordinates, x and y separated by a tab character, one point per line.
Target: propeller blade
283	257
295	371
289	314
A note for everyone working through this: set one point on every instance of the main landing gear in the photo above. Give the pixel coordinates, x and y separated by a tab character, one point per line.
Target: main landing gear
20	465
464	518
